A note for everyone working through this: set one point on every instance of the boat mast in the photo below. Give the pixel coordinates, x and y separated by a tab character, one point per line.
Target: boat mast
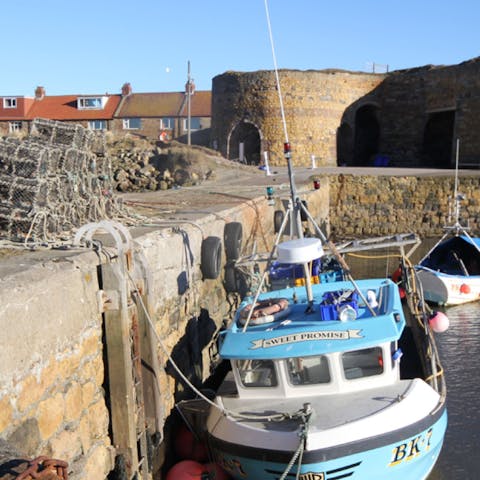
457	197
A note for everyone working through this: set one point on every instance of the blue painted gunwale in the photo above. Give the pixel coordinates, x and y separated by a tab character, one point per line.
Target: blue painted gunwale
308	334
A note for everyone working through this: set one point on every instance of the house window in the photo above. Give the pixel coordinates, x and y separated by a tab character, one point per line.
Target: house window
10	103
91	103
14	126
194	123
132	123
168	123
97	124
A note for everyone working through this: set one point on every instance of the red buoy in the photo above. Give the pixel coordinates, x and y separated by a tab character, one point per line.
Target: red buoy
464	288
186	470
187	446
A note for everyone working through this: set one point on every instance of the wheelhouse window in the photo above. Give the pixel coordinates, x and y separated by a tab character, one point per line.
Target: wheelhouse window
132	123
10	102
308	370
168	123
194	123
362	363
257	373
97	125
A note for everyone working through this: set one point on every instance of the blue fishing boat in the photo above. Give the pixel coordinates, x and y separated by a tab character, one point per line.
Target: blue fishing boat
329	377
321	385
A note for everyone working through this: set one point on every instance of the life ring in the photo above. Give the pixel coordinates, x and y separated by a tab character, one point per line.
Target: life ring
265	311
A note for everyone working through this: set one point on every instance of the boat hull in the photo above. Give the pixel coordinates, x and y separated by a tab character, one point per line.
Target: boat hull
445	289
408	454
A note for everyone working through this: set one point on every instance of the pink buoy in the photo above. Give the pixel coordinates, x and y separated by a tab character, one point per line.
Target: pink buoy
439	322
216	472
186	470
188	447
464	288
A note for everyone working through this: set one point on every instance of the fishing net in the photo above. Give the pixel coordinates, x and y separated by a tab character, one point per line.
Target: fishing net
53	181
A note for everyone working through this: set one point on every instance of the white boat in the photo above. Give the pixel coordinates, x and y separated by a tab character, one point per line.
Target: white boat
450	272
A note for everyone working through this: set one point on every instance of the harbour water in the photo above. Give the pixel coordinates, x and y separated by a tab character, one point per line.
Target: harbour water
459	349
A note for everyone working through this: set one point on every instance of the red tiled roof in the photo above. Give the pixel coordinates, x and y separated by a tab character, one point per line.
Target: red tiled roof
168	104
64	107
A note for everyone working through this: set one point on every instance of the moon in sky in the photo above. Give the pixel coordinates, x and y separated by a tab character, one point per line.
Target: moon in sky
167	69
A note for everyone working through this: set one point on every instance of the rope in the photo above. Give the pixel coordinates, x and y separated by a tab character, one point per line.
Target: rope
307	412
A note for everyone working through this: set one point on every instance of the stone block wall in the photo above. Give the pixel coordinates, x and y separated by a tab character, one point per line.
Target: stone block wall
321	110
314	103
362	206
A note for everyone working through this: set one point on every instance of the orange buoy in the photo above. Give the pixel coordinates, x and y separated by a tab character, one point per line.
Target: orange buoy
439	322
216	472
187	446
464	288
187	470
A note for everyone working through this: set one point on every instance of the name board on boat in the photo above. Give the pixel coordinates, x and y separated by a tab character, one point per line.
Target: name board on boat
306	337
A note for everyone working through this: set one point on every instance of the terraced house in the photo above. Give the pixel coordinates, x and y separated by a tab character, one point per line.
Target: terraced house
156	116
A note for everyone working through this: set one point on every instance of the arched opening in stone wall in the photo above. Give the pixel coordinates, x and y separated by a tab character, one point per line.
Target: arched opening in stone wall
367	135
245	142
438	139
344	145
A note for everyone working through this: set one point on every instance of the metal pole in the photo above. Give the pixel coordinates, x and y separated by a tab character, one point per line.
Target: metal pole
189	94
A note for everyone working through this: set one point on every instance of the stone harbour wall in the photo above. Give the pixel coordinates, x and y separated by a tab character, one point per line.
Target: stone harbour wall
363	206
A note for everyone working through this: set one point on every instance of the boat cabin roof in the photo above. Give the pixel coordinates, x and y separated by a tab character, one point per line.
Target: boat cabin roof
300	331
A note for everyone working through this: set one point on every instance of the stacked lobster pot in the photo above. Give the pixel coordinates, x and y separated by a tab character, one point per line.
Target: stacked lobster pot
52	181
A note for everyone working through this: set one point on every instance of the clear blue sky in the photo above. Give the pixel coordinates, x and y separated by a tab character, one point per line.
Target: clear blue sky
94	46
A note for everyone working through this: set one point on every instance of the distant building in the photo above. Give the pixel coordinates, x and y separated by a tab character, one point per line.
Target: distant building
164	116
155	116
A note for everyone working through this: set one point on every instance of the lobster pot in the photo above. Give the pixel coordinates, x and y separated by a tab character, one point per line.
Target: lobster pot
53	175
60	133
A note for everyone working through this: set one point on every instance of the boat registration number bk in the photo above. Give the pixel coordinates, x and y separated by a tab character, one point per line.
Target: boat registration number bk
411	449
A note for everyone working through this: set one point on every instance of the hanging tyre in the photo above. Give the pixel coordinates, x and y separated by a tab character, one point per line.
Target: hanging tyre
230	279
232	238
278	216
211	257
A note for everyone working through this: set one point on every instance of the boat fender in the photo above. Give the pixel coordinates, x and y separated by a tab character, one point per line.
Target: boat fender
464	288
187	470
265	311
439	322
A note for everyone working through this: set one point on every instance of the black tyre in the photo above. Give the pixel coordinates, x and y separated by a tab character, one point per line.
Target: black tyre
278	216
232	238
211	257
230	280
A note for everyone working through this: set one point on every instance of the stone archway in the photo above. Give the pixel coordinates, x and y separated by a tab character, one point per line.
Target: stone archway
438	139
367	135
344	145
248	134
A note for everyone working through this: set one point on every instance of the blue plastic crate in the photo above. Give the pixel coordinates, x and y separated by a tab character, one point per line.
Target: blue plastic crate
330	306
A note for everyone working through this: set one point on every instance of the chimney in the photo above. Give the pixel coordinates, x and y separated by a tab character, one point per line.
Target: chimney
126	89
39	93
